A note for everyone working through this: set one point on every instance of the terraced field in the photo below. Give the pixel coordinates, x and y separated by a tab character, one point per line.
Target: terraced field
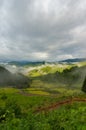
47	104
23	109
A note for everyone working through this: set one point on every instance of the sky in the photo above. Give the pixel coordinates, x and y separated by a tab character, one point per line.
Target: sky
49	30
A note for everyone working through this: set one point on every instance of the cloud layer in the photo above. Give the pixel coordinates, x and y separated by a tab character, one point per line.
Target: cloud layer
42	29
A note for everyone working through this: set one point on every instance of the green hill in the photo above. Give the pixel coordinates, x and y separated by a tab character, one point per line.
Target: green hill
14	80
72	77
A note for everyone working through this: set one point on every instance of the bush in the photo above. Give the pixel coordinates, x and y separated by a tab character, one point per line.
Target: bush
14	107
84	86
3	96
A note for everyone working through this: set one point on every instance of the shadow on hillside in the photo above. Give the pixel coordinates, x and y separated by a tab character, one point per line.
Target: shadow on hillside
84	85
13	80
73	77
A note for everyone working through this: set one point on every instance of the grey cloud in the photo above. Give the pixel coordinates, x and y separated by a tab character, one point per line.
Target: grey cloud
52	29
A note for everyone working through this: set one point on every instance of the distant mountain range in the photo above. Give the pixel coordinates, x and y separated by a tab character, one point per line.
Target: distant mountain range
34	63
74	60
22	63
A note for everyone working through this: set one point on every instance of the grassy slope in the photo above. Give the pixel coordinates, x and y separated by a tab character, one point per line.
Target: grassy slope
57	79
66	117
9	79
17	108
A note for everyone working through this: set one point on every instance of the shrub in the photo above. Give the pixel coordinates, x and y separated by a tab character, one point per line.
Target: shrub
14	107
84	86
3	96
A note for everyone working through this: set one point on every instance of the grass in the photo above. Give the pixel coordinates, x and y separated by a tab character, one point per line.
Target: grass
38	92
8	90
17	106
68	117
43	70
16	110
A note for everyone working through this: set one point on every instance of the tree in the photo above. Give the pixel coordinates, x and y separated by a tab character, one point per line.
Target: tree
84	86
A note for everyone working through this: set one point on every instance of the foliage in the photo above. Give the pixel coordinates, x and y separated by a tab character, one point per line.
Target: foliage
13	80
18	106
71	117
84	85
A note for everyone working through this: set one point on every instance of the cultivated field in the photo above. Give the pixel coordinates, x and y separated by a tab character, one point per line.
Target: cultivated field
53	101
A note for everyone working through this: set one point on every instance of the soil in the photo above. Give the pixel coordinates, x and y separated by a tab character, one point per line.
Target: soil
58	104
55	105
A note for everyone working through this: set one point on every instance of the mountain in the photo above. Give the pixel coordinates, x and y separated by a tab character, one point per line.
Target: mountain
14	80
23	63
74	60
37	63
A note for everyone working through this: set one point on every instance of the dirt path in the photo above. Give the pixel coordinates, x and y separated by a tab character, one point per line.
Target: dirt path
55	105
58	104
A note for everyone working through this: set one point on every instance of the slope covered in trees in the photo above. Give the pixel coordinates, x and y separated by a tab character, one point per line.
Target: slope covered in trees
72	77
15	80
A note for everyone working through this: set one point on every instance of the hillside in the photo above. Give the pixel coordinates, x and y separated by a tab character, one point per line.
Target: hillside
52	101
70	77
15	80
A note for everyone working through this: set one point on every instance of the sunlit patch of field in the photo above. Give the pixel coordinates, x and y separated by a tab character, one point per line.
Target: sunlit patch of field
8	90
81	64
39	92
43	70
56	90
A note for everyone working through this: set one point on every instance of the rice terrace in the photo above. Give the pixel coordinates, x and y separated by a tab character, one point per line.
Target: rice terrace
53	97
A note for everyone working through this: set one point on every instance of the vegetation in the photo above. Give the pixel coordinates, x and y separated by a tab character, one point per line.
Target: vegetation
15	80
70	78
48	69
84	86
17	115
53	101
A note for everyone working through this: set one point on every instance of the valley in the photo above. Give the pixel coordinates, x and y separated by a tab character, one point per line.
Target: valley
49	96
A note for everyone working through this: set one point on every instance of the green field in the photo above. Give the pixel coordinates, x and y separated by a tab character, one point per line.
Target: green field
17	111
49	103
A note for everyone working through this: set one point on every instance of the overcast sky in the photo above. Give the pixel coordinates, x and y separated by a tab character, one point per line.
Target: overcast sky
42	29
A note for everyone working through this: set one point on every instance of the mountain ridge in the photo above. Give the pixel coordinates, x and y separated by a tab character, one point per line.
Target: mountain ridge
26	62
74	60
